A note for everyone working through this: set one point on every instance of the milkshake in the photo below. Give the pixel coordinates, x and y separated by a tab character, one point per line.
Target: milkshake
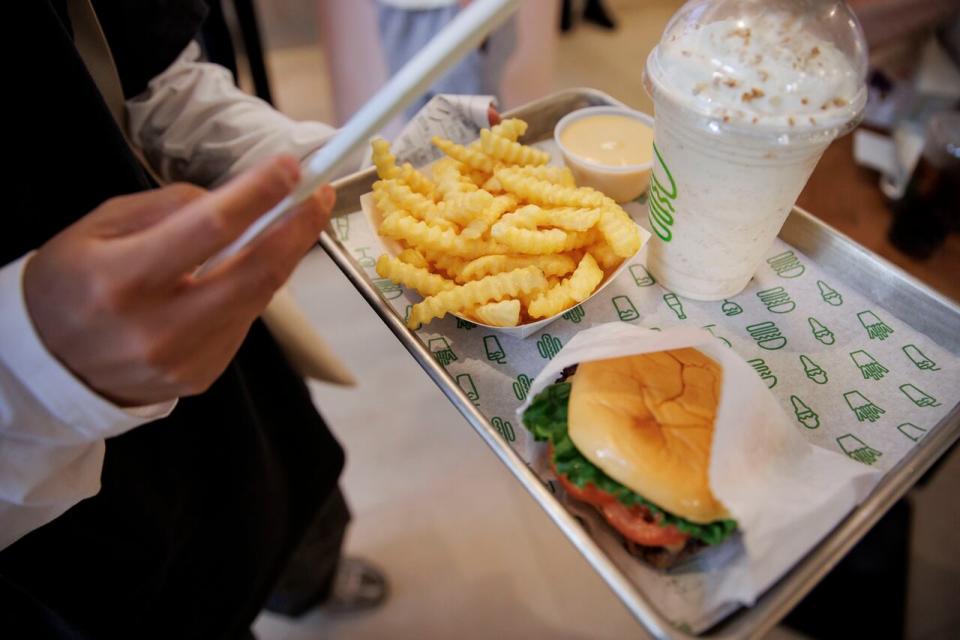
747	94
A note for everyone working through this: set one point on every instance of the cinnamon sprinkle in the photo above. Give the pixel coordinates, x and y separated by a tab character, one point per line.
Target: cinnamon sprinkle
751	95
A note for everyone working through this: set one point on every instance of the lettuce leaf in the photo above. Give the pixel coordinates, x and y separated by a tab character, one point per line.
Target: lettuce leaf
546	419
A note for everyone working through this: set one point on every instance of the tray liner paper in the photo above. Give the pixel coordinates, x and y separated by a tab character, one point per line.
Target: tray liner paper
849	377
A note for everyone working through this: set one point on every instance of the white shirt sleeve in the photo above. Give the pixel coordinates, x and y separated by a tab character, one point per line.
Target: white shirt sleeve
52	426
194	124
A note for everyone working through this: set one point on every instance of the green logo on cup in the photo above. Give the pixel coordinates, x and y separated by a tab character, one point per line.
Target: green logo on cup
675	305
763	370
786	265
548	346
441	350
504	428
661	200
777	300
495	352
858	449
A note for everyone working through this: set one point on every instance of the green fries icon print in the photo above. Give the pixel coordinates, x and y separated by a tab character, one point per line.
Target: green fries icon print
911	430
868	365
441	350
641	277
625	309
522	386
820	332
805	415
504	428
814	371
858	449
918	397
548	346
865	410
876	328
918	358
763	370
673	302
574	314
465	382
495	352
829	295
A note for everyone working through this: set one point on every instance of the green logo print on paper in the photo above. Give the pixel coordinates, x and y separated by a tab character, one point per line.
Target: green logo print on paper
876	328
813	370
365	261
777	300
858	449
865	410
661	201
465	382
820	332
504	428
625	309
918	397
441	351
912	431
406	317
786	265
495	352
709	327
730	308
548	346
869	367
465	324
522	386
767	335
341	226
805	415
918	358
763	370
829	295
388	288
675	305
574	314
641	277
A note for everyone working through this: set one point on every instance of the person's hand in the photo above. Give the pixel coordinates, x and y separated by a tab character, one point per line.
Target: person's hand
493	116
115	297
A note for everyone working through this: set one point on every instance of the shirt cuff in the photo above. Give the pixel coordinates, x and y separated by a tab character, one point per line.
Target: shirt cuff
53	385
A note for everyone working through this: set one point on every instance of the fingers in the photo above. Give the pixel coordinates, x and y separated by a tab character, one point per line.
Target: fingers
249	280
493	116
126	215
208	224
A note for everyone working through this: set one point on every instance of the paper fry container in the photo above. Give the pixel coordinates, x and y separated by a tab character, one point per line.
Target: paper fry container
374	219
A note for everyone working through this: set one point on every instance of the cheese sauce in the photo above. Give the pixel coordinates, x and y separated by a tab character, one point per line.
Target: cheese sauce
610	140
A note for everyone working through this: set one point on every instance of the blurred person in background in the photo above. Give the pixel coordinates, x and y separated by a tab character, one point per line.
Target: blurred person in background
594	12
163	471
406	26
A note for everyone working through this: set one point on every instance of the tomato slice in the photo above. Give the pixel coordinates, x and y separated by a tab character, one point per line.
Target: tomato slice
634	523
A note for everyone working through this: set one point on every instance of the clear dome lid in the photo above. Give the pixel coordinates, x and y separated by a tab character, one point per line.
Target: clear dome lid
797	66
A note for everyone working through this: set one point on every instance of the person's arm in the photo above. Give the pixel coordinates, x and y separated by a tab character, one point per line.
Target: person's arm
194	124
110	313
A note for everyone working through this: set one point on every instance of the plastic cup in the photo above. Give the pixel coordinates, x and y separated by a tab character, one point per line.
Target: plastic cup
747	95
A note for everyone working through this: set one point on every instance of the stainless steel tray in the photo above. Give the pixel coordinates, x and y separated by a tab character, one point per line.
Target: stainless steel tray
837	254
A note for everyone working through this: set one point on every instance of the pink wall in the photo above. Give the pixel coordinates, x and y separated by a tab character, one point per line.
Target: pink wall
348	29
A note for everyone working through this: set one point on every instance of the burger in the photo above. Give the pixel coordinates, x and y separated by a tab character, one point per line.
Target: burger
631	437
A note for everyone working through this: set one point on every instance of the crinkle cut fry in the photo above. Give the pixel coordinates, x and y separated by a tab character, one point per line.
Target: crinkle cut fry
470	157
509	152
550	264
489	216
566	218
384	160
546	193
426	283
423	236
620	231
492	288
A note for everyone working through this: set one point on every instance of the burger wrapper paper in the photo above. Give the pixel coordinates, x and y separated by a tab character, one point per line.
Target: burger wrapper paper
785	493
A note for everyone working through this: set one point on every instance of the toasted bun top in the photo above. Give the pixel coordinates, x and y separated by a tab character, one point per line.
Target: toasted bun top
647	421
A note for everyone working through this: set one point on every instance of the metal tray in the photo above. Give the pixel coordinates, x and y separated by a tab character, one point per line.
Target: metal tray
873	276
